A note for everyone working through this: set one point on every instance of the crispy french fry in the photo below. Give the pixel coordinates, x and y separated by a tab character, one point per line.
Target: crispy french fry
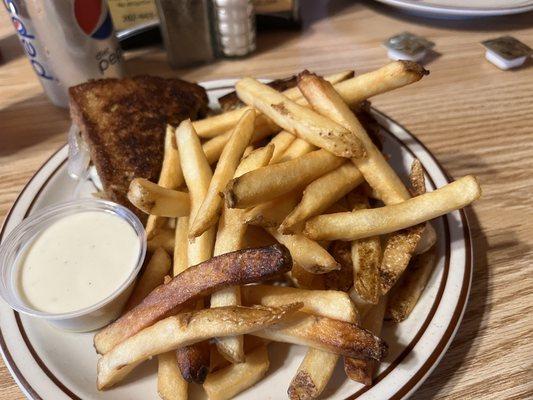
326	303
207	214
404	296
275	180
401	245
326	334
306	280
306	252
321	194
163	238
153	275
169	178
365	257
312	375
231	269
154	199
379	221
170	383
281	142
230	237
183	330
228	382
376	170
299	120
194	361
362	370
218	124
341	279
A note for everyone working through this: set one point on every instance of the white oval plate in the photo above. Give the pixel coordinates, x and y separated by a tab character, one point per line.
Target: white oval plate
52	364
461	8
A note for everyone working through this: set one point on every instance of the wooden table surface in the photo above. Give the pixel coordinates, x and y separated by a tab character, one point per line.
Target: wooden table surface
475	118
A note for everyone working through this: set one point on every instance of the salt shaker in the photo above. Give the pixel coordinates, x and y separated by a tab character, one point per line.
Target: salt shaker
234	27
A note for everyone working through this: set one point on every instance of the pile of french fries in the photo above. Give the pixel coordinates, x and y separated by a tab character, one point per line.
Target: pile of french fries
345	244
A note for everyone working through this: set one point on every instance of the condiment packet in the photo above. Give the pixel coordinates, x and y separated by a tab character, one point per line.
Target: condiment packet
506	52
407	46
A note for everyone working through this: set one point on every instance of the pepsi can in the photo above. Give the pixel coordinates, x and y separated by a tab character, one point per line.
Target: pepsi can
67	42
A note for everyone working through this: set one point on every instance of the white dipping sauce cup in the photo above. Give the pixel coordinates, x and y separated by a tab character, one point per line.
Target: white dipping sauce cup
17	242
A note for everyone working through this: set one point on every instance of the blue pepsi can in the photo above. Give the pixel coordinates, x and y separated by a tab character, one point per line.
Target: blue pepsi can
67	42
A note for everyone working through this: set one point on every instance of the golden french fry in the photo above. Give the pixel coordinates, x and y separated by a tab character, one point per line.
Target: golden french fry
270	214
154	199
321	194
183	330
306	252
275	180
194	361
404	296
326	303
326	334
153	276
198	174
181	243
281	142
218	124
170	383
230	237
379	221
169	178
163	238
362	370
298	148
300	120
312	375
376	170
353	91
389	77
207	214
228	382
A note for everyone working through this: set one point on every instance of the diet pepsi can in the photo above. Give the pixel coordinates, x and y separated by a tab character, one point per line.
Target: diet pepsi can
67	42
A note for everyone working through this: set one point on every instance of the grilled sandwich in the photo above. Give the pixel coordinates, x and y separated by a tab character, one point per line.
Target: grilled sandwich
123	122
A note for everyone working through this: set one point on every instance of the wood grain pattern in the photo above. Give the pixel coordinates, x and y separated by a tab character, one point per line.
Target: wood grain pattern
475	118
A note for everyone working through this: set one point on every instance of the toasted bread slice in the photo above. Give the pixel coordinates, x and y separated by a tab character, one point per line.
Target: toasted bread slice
123	122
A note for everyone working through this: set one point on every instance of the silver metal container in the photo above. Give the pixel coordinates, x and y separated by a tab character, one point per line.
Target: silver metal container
185	27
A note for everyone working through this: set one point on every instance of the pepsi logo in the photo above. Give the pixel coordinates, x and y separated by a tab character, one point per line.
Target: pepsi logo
93	18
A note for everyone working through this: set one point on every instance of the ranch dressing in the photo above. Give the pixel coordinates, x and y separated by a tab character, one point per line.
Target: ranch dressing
77	262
